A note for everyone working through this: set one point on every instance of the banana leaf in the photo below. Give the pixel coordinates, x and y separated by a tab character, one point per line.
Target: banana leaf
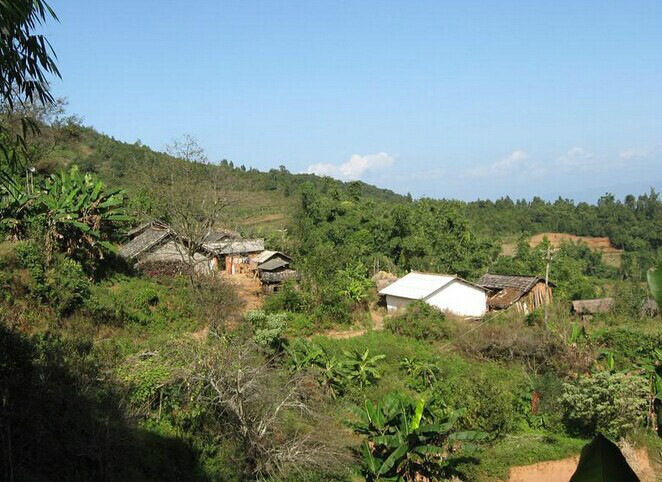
602	461
655	283
393	458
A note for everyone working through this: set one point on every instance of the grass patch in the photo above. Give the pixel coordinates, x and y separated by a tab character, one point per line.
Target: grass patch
494	462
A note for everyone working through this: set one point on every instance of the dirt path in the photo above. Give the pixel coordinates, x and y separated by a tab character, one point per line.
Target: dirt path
248	289
552	471
562	470
377	325
263	219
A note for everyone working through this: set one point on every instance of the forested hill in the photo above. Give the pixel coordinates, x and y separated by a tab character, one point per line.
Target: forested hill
267	197
266	201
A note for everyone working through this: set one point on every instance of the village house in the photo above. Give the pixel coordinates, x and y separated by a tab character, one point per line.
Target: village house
237	256
273	268
156	243
524	293
447	293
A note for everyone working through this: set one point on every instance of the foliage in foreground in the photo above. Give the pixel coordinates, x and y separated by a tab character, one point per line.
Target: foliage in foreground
610	403
409	440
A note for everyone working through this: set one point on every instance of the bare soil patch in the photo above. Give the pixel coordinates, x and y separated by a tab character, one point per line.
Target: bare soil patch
602	244
248	289
610	254
562	470
377	317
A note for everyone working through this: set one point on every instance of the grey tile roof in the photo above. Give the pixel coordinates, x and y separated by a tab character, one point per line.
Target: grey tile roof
499	282
217	235
241	246
150	237
590	307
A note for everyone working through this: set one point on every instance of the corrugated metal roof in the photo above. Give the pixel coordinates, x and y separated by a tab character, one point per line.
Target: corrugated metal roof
149	238
266	255
273	264
237	247
416	286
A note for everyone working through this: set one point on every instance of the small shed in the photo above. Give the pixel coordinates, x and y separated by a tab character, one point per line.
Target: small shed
587	308
446	292
273	268
525	293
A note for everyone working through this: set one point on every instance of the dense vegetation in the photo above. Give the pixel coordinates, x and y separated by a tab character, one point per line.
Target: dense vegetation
107	374
143	374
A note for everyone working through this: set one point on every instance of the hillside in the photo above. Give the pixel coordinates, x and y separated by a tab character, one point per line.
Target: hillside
204	378
260	200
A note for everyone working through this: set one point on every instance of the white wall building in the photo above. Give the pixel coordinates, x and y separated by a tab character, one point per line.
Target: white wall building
448	293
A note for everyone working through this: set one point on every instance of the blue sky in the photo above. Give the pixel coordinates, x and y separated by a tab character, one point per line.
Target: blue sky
463	99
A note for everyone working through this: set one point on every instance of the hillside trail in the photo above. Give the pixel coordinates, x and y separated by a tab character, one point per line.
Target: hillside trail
562	470
248	289
377	317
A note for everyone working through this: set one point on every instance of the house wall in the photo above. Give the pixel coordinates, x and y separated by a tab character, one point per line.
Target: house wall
240	263
176	253
460	299
394	303
538	296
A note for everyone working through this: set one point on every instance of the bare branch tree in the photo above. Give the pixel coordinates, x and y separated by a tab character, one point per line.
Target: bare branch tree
254	400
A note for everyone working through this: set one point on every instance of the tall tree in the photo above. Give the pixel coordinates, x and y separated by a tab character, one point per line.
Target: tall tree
26	60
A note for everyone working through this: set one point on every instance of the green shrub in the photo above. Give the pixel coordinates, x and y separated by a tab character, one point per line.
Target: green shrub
536	317
419	320
68	286
630	345
300	324
268	328
333	307
31	258
289	298
629	299
609	403
488	393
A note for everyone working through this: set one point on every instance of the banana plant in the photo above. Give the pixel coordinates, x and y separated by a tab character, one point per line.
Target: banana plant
16	206
303	354
82	216
578	332
423	372
362	368
654	276
409	440
333	374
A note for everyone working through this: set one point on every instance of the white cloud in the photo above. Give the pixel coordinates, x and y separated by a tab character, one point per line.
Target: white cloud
355	167
515	161
576	156
634	153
